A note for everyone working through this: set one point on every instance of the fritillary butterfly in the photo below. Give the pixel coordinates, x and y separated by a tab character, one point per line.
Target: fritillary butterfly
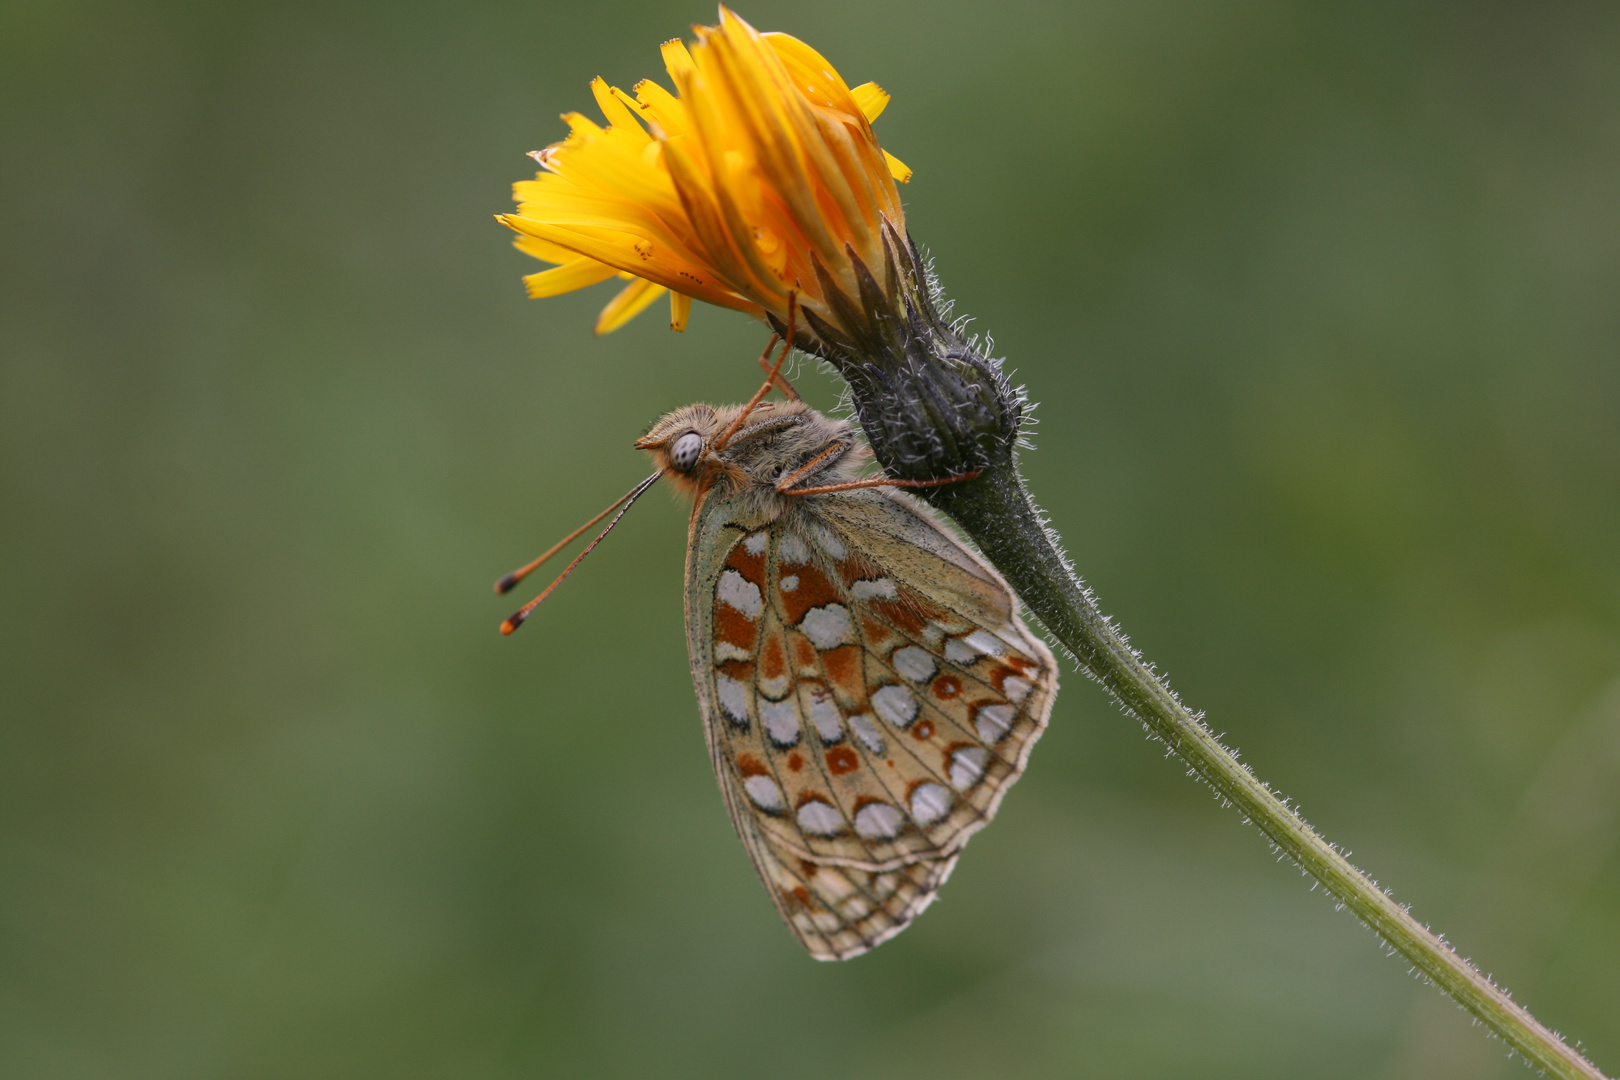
868	689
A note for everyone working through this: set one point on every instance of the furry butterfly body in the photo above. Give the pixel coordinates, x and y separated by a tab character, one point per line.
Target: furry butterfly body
869	691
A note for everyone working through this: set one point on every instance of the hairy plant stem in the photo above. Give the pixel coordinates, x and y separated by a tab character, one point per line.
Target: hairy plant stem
997	513
931	405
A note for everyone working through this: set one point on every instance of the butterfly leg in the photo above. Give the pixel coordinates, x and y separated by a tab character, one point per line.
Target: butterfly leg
770	378
837	450
877	481
826	457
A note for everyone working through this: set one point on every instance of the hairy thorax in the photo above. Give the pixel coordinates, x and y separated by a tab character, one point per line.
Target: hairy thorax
777	440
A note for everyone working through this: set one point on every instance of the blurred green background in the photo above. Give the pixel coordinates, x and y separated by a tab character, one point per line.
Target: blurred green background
1322	307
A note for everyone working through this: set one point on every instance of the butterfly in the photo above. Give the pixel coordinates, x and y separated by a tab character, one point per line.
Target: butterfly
868	688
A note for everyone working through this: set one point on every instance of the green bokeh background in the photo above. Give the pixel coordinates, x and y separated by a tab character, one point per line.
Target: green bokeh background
1322	307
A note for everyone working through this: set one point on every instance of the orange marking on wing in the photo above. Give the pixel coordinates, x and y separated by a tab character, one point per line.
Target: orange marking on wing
947	687
814	591
808	868
843	666
734	628
804	652
923	730
841	760
810	796
749	566
741	670
855	568
879	637
1007	671
773	661
749	765
795	762
909	611
875	631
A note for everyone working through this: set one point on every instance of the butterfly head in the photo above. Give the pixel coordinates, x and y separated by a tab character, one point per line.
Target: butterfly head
686	443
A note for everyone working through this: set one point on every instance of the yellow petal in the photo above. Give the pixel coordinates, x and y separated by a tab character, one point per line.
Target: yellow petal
808	70
680	308
566	278
897	168
627	305
664	111
872	99
626	252
618	117
544	250
677	61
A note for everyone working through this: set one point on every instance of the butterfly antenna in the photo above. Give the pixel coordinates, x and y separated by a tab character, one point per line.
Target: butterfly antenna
770	376
506	583
522	613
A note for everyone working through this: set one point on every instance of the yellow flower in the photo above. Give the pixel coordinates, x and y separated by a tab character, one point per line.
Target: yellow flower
761	179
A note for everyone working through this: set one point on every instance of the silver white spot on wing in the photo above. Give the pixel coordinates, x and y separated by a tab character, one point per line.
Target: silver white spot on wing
725	650
828	626
733	697
866	729
764	792
986	642
826	541
992	722
878	821
781	720
790	583
755	543
929	803
914	663
823	713
1015	688
895	704
817	817
740	593
963	650
878	588
794	550
967	766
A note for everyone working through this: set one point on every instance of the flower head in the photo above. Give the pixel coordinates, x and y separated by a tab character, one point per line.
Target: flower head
760	179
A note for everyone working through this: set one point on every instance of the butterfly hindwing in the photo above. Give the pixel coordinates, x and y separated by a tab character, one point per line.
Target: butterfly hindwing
838	912
869	693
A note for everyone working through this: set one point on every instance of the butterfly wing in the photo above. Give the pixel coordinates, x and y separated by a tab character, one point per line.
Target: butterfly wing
869	694
838	912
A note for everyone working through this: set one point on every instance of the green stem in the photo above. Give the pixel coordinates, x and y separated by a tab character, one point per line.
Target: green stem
998	513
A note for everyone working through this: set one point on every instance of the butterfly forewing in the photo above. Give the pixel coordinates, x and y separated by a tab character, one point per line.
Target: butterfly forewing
869	694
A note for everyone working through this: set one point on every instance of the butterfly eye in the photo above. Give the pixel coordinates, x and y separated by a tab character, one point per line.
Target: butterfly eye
684	453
